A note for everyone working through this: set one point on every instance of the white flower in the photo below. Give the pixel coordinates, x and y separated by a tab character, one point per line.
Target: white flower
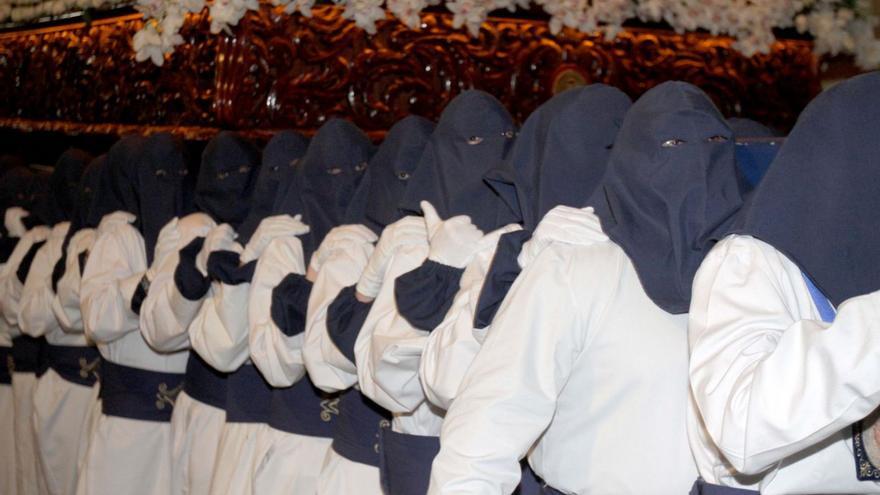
148	45
837	26
407	11
304	7
193	6
365	13
226	13
470	13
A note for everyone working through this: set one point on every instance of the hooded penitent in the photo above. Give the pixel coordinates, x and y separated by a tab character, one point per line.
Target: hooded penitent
818	202
58	205
16	190
164	191
327	178
280	159
377	201
474	134
671	189
118	183
559	158
227	178
85	196
469	146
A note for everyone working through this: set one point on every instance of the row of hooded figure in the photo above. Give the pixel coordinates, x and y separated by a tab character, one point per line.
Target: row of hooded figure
605	301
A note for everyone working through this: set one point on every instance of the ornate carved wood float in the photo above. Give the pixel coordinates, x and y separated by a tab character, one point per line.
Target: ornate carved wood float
279	71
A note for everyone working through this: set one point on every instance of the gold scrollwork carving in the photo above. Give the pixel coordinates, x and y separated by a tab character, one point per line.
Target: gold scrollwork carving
278	71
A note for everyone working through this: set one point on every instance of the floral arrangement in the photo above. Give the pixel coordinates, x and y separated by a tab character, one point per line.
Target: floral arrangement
836	26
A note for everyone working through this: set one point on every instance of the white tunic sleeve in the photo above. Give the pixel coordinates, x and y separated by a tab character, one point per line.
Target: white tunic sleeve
219	332
35	315
509	395
409	341
452	346
276	355
165	313
6	330
342	268
65	305
768	376
397	348
115	267
10	286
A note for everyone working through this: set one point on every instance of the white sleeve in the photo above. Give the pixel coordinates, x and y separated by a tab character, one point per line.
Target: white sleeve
65	305
114	269
165	313
219	332
408	341
769	378
509	396
397	348
342	268
276	355
451	347
10	286
35	315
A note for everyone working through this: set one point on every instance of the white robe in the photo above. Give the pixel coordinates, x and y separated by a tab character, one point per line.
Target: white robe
285	459
28	475
394	385
219	334
776	387
126	455
61	408
28	479
7	420
164	320
66	307
583	373
66	303
452	346
195	437
345	262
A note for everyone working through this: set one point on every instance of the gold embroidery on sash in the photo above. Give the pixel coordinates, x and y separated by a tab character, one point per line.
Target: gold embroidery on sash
87	367
167	396
329	408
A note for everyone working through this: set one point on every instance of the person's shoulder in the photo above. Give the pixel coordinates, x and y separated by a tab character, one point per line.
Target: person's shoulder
747	252
601	260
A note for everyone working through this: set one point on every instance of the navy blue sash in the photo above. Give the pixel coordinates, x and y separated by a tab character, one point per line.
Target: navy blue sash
136	393
248	396
203	383
76	364
29	354
6	365
304	410
702	488
405	462
358	426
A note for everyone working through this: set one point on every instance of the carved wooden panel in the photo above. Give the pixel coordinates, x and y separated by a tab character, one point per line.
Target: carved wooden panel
88	74
280	71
